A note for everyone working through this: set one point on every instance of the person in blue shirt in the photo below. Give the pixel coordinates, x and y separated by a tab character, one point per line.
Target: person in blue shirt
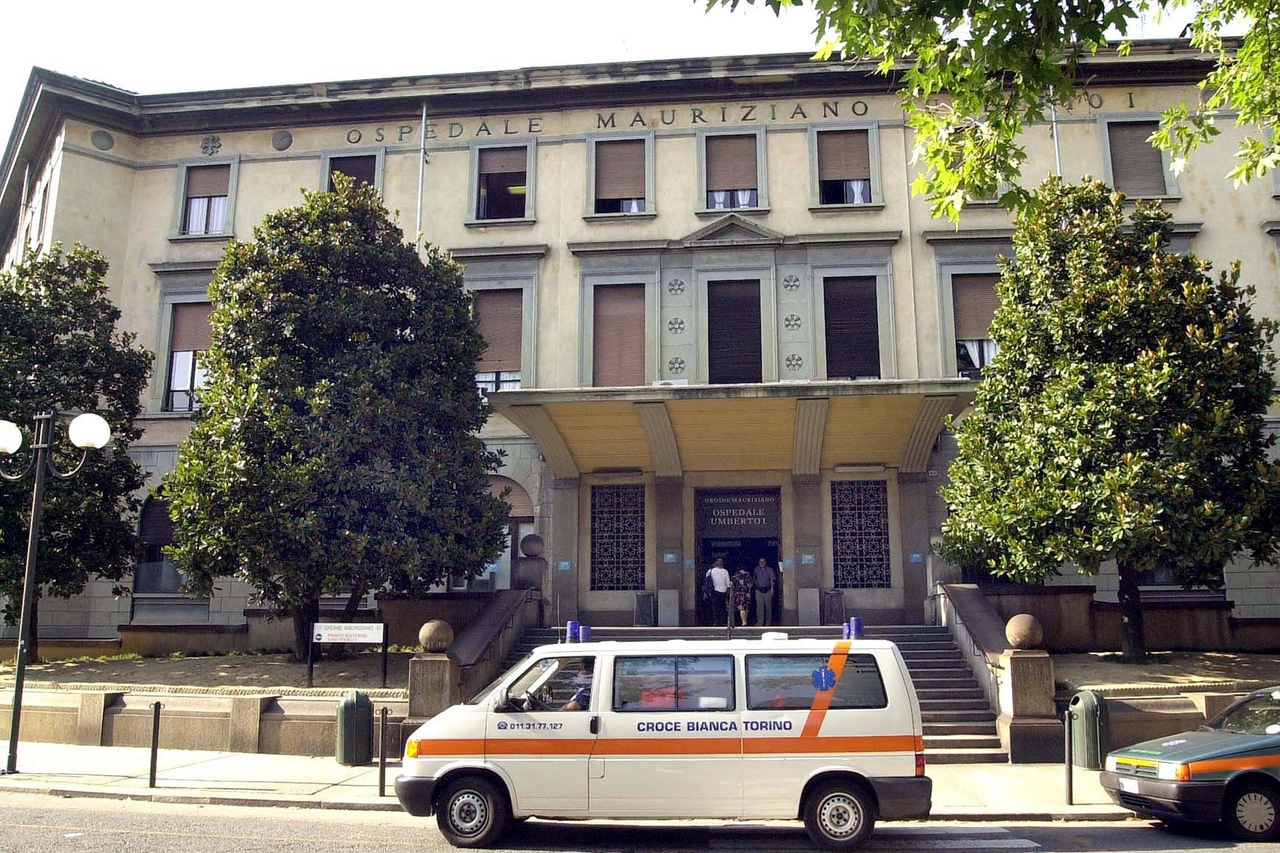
582	696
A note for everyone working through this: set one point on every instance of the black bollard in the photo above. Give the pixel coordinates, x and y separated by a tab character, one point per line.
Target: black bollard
382	752
1066	741
155	741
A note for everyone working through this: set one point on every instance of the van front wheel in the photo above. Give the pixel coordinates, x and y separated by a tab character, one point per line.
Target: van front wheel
838	815
472	812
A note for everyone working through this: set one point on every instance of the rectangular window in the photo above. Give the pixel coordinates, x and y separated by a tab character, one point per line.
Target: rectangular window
733	333
188	342
617	537
853	327
205	199
974	302
732	174
844	167
673	683
1137	166
502	183
860	534
620	178
500	317
363	169
790	682
617	336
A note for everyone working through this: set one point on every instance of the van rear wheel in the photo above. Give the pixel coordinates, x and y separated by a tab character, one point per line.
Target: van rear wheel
472	812
838	815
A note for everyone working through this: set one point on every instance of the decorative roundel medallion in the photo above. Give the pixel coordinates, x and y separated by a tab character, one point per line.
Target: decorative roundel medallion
675	365
794	362
675	326
675	287
102	140
281	140
791	322
791	282
210	145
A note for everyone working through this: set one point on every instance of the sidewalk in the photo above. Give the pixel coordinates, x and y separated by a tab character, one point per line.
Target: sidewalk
962	792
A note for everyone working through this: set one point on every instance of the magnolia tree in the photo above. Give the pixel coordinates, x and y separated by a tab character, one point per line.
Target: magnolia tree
973	75
1122	420
60	350
337	451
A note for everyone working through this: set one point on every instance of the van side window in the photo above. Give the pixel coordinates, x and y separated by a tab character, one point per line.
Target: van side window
673	683
790	682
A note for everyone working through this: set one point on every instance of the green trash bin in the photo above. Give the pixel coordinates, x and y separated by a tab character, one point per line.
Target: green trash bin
1089	729
355	729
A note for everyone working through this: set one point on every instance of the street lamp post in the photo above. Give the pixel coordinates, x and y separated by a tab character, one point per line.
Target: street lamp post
86	431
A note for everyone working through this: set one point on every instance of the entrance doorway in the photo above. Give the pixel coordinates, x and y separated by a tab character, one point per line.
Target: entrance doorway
739	526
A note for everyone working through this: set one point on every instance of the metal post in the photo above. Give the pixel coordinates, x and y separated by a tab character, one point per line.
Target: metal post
384	656
382	752
155	741
311	647
44	439
1067	717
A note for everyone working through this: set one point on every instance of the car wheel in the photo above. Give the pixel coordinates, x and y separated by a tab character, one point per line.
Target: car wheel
472	812
1252	812
838	815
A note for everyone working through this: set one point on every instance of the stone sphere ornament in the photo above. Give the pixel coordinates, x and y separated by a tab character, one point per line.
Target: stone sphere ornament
1024	631
531	545
435	636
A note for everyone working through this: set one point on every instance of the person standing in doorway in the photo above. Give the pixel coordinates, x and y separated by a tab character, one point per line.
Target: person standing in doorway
765	577
743	587
720	585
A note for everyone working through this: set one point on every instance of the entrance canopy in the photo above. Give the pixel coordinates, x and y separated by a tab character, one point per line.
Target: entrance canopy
671	430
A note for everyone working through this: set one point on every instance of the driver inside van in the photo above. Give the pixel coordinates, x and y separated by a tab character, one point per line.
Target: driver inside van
582	681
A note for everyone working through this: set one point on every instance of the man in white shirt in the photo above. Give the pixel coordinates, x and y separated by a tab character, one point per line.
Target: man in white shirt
720	583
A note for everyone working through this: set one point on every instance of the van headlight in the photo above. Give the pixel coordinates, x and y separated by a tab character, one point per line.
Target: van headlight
1111	763
1172	772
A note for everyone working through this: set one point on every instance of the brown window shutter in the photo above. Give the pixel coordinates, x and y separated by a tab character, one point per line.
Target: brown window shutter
155	526
191	326
844	155
500	314
620	169
203	181
517	499
733	337
495	161
974	300
1136	165
618	336
853	327
731	163
362	169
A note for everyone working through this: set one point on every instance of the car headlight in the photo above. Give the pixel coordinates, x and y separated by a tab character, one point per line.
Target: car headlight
1111	763
1172	772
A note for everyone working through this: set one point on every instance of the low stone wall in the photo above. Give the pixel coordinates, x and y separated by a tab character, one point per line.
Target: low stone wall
278	725
161	640
52	649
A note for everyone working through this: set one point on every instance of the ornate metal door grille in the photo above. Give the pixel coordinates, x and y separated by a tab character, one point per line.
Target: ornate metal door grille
860	534
617	537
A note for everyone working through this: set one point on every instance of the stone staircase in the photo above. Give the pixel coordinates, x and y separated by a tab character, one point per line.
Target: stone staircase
959	725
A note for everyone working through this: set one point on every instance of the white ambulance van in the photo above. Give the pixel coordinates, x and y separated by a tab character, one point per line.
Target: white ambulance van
824	731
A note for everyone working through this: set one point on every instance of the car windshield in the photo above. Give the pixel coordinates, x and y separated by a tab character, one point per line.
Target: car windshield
481	695
1257	715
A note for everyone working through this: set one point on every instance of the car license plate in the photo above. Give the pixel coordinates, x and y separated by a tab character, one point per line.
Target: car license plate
1129	786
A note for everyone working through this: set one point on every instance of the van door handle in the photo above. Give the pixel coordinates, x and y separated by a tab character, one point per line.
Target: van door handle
595	724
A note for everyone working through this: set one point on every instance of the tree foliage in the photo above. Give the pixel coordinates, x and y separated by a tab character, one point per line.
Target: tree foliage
974	74
336	452
1122	419
59	349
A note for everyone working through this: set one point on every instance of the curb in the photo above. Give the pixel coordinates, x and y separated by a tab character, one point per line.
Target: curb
390	804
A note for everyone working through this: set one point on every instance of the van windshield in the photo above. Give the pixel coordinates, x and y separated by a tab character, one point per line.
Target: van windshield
484	692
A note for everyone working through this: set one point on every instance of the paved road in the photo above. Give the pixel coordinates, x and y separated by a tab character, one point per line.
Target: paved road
41	824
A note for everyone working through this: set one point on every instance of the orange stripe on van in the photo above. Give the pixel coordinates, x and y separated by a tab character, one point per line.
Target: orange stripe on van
808	745
822	700
1217	765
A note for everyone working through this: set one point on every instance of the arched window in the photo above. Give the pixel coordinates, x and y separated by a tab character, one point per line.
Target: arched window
519	525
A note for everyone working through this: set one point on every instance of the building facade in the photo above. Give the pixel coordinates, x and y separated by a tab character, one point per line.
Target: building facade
719	323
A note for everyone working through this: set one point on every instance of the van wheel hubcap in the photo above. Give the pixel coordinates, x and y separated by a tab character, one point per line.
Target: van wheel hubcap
1255	812
469	813
839	816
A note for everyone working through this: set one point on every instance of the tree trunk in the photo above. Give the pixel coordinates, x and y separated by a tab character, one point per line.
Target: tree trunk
304	616
33	644
338	651
1133	646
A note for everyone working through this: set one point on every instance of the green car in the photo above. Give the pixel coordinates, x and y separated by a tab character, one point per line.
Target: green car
1227	770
